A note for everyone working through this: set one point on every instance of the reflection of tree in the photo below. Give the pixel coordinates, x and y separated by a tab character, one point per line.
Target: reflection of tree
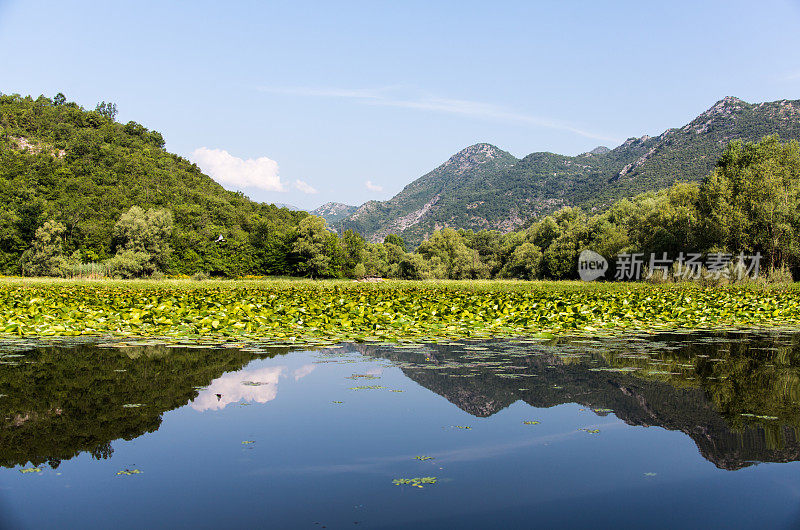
69	400
700	384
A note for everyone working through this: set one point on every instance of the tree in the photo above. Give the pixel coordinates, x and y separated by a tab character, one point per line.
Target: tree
46	256
140	233
109	110
353	246
395	239
59	99
449	256
524	263
750	200
315	248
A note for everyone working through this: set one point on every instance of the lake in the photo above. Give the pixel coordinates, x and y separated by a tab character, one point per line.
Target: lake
660	430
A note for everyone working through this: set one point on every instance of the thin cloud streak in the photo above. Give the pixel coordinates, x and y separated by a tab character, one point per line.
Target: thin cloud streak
383	98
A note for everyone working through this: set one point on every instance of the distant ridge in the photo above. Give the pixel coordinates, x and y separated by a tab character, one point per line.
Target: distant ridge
484	187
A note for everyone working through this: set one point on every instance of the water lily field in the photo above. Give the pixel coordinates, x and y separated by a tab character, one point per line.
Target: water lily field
292	311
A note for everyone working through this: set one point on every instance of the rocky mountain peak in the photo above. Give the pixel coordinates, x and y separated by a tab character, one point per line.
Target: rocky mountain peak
599	150
471	156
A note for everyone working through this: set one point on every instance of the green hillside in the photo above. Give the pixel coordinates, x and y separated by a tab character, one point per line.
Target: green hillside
483	187
81	168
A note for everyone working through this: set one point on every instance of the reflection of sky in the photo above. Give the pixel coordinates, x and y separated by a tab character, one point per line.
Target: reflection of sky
232	389
303	371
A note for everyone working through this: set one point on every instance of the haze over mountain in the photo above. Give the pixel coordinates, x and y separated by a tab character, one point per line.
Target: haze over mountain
484	187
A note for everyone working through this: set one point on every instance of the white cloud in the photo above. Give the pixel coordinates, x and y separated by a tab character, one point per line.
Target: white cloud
303	186
396	97
261	173
373	187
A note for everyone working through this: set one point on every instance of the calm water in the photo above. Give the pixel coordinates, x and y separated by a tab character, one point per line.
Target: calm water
691	430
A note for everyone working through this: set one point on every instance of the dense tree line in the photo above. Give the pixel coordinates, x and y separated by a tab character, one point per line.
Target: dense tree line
748	205
81	193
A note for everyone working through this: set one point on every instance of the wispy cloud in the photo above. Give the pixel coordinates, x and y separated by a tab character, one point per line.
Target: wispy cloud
261	173
792	76
397	97
373	187
305	187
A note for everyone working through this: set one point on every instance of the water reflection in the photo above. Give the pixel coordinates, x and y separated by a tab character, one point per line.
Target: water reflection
60	401
248	386
735	395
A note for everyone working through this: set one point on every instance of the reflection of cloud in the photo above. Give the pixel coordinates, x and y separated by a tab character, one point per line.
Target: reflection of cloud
466	454
232	389
303	371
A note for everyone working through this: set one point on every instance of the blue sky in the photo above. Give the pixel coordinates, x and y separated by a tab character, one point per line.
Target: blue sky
309	102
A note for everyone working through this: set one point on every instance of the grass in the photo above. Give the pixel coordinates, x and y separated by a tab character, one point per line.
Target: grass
291	310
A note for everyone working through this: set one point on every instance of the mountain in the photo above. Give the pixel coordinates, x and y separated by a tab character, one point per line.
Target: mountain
82	169
483	187
433	199
334	212
291	207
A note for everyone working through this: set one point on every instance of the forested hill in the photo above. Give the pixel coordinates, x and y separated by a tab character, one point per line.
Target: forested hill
82	169
483	187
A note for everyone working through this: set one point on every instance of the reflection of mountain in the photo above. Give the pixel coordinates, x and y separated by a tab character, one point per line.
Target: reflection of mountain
696	401
60	402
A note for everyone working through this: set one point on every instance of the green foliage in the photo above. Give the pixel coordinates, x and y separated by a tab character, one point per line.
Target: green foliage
80	168
320	254
339	311
46	256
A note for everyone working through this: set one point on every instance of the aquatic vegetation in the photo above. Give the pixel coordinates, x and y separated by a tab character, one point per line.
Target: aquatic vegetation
466	427
590	431
759	417
248	442
129	472
417	482
328	312
423	458
367	387
30	470
531	422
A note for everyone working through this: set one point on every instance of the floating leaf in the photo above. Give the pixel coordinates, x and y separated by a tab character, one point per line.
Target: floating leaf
531	422
129	472
416	482
248	442
30	470
423	458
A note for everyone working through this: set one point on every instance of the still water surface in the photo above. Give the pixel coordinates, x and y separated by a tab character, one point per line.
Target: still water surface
691	430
